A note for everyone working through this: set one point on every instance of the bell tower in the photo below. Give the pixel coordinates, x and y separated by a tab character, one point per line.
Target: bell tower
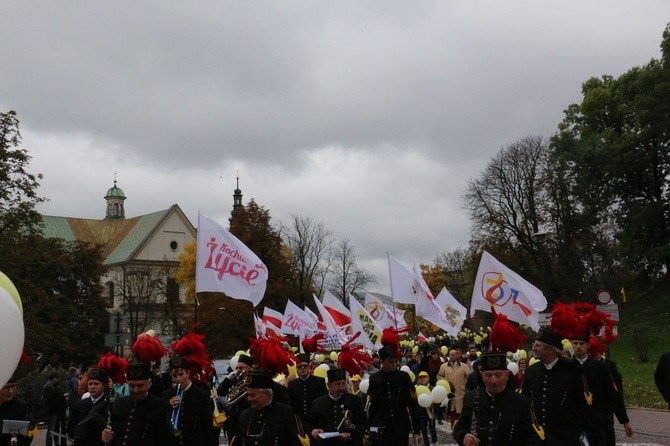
115	198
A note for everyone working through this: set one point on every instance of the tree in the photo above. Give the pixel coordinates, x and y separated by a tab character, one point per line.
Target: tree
309	244
616	142
18	188
348	276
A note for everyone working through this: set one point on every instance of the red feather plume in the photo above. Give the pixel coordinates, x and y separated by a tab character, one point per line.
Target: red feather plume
271	355
505	336
390	338
310	345
147	348
596	348
565	320
116	367
193	349
353	359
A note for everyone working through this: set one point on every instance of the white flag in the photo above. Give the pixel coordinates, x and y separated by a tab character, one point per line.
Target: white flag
295	320
259	326
340	315
497	286
384	315
453	309
361	321
224	264
404	287
427	308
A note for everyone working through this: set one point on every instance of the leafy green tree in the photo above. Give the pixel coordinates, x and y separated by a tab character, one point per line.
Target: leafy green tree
18	188
617	142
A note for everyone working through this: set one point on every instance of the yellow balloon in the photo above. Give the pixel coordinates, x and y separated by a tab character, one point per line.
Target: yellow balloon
411	375
292	370
415	349
241	352
11	289
522	354
444	349
333	356
320	371
319	357
532	361
444	383
420	390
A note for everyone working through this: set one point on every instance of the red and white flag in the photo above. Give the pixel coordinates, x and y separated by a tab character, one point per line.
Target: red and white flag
273	317
331	325
295	320
427	307
497	286
339	313
225	265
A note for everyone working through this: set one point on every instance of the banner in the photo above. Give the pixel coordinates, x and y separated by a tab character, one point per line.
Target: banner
295	319
362	322
331	326
339	314
384	315
225	265
454	311
427	308
497	286
259	327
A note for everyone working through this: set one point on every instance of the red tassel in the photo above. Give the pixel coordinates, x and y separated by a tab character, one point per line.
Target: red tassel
271	355
505	336
148	348
353	359
310	345
116	367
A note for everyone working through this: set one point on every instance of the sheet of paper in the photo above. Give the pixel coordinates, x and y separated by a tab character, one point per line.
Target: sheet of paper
325	435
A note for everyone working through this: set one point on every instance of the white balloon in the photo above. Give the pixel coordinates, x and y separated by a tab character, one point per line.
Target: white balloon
364	385
425	400
11	336
233	362
438	394
513	367
405	369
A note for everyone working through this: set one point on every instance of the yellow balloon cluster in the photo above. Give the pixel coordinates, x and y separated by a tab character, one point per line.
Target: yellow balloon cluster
420	390
444	383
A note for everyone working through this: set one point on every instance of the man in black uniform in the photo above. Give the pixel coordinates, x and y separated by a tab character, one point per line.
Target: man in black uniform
139	419
494	414
338	411
556	392
266	422
394	411
191	411
305	388
233	389
98	383
11	408
662	376
601	393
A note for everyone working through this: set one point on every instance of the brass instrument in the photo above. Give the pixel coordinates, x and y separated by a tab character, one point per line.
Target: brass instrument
175	413
238	391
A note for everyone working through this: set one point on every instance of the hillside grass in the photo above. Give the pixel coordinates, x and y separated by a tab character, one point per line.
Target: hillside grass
642	317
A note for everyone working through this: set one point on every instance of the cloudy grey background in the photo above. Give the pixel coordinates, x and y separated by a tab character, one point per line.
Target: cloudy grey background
367	115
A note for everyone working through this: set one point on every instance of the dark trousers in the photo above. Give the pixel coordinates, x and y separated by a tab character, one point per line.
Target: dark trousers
428	424
393	440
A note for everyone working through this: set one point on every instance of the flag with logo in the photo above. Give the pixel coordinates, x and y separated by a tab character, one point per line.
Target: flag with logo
362	321
295	319
331	325
498	287
225	265
384	315
427	308
453	310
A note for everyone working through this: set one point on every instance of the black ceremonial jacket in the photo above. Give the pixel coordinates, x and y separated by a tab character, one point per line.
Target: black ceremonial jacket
14	409
501	420
273	425
393	406
142	423
327	414
557	401
195	416
303	391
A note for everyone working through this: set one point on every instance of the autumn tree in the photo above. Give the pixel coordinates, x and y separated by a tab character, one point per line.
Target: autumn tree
347	275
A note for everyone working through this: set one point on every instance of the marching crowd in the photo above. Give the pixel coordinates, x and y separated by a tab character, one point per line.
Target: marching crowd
548	398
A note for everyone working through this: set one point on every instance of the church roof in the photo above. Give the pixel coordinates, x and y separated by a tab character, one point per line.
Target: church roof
120	239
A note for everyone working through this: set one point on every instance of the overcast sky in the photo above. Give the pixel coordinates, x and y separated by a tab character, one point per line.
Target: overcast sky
369	116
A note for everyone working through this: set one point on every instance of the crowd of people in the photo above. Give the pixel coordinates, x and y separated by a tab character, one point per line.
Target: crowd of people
546	397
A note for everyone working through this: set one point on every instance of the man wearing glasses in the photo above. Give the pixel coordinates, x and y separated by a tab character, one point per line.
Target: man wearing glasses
494	414
305	388
139	419
267	422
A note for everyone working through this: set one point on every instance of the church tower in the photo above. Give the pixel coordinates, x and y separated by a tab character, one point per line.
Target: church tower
115	198
237	195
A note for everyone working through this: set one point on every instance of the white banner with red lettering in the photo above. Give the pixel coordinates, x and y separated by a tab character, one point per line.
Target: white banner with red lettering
224	264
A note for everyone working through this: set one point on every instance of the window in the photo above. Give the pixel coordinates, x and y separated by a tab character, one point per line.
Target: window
172	290
174	246
110	293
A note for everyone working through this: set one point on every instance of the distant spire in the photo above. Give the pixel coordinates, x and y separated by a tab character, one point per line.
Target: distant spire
237	196
114	199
